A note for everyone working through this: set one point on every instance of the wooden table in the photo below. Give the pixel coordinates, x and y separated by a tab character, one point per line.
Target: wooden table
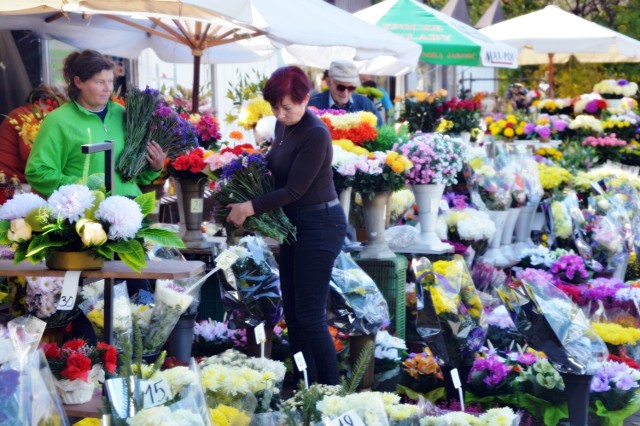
164	269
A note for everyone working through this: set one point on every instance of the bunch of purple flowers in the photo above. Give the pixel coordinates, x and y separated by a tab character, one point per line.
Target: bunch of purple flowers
570	268
614	385
490	374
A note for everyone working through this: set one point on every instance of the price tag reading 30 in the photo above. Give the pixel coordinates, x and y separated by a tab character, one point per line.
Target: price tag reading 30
69	290
155	392
350	418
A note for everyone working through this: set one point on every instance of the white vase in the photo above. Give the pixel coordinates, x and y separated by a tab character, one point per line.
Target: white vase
493	255
374	211
506	242
345	200
428	199
523	228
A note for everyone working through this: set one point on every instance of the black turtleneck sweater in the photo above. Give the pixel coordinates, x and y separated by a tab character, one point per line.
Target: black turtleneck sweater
301	166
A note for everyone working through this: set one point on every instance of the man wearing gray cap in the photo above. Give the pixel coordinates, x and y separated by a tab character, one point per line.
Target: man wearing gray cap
342	80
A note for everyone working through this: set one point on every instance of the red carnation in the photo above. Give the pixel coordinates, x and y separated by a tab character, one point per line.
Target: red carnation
51	350
78	367
181	163
109	356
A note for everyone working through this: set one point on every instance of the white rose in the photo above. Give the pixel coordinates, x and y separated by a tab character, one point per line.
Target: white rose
19	231
91	233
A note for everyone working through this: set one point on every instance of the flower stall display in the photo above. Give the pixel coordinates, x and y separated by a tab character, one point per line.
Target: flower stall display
553	106
591	105
421	110
464	114
616	89
79	218
78	366
623	126
546	127
149	118
491	380
358	127
242	179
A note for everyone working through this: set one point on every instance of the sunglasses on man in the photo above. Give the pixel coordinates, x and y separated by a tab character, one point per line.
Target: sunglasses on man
342	88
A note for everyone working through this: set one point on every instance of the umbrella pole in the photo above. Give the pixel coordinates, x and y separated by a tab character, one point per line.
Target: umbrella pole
195	99
550	75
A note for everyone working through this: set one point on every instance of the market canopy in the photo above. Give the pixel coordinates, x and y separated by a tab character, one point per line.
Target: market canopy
444	40
552	36
311	32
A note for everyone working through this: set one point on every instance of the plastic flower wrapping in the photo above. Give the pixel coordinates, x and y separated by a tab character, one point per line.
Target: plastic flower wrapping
93	308
250	289
149	117
528	170
81	218
245	178
436	158
511	168
468	226
171	299
489	186
356	306
553	324
451	318
182	402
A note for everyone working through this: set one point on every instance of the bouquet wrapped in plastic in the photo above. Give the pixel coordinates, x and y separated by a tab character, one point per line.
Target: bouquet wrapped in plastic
459	322
250	288
357	306
93	308
489	185
172	298
553	324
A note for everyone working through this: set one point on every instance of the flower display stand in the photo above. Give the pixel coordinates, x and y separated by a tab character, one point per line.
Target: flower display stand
506	241
374	216
190	194
428	199
390	275
493	255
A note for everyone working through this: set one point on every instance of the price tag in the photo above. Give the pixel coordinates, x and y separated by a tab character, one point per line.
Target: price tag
155	392
350	418
300	362
156	207
455	378
261	337
69	290
435	204
197	206
225	259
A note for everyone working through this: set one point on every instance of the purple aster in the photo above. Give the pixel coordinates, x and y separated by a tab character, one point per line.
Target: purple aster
599	385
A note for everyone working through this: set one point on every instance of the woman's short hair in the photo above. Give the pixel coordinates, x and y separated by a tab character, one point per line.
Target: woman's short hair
291	81
46	93
84	65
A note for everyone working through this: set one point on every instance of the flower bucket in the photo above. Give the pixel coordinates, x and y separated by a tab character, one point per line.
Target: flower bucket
78	391
576	388
493	255
180	340
507	235
374	215
73	261
428	199
523	228
190	195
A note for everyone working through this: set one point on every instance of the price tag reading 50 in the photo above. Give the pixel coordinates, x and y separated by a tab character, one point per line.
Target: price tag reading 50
350	418
155	392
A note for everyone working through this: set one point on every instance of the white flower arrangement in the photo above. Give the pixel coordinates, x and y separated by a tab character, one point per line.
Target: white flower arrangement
618	88
164	416
471	224
368	405
586	122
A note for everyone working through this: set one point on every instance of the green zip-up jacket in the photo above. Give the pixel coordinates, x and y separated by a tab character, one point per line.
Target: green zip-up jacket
56	158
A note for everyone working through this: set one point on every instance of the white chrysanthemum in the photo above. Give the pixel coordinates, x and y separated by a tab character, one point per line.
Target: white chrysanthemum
20	205
265	128
70	201
141	315
178	378
92	290
153	416
122	214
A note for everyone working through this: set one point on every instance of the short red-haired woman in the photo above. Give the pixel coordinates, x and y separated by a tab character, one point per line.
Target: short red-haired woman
300	160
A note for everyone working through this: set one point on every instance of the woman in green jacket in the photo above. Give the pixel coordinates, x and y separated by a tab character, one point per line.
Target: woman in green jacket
91	117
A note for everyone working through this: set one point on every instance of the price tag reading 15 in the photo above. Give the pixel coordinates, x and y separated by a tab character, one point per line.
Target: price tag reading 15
350	418
155	392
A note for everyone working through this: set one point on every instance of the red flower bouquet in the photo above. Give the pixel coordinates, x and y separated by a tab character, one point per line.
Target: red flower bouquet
77	367
191	165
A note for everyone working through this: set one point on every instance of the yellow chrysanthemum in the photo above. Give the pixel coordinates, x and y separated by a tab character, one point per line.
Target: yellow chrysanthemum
615	334
398	166
254	111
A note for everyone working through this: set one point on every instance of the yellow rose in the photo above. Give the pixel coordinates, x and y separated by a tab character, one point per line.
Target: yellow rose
91	233
19	230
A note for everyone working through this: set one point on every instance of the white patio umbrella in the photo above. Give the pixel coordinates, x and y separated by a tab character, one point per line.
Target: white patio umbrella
311	32
551	36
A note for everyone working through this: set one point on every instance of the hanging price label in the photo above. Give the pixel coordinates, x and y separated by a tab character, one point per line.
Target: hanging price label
69	291
261	337
350	418
155	392
197	206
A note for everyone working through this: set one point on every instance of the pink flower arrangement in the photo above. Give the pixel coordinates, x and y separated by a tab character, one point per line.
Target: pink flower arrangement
436	158
610	140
